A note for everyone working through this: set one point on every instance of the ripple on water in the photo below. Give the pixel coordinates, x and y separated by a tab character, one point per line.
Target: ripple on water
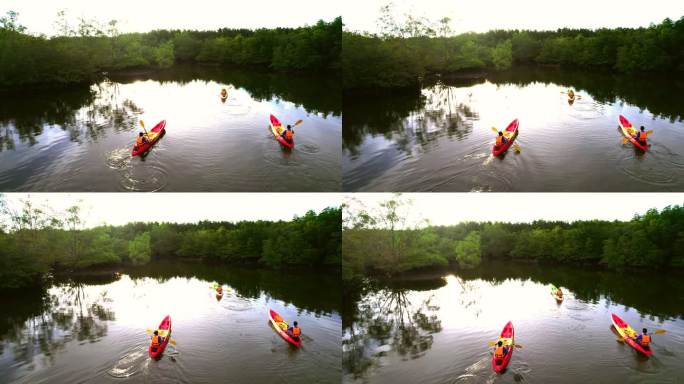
119	159
144	178
309	149
236	108
129	364
649	171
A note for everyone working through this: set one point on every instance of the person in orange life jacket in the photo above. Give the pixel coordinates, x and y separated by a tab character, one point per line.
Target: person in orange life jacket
141	140
641	135
156	339
287	134
294	331
644	339
500	351
501	139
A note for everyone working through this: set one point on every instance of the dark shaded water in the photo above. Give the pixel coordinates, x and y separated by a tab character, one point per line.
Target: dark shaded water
93	330
436	330
440	138
80	139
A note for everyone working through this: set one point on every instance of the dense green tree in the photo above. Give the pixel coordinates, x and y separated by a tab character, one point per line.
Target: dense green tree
652	240
33	242
82	53
408	50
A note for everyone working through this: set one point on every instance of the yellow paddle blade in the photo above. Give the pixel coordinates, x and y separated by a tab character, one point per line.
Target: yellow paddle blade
298	122
172	341
149	331
491	343
659	331
495	130
516	147
625	140
518	346
649	131
142	123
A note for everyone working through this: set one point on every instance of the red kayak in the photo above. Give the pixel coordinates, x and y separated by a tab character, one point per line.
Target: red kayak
165	332
281	327
277	129
629	131
628	335
507	337
510	134
153	136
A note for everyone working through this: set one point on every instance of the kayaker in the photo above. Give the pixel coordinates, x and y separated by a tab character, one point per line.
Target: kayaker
500	350
141	140
288	133
219	290
294	331
559	293
501	139
156	339
641	135
224	93
644	339
571	94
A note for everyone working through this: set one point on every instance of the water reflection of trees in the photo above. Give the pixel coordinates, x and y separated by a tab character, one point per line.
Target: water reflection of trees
317	292
394	115
385	321
593	284
84	113
44	322
407	119
314	93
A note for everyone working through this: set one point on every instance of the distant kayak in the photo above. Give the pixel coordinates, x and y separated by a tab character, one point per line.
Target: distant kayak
629	131
556	293
281	328
509	133
165	332
628	335
508	338
154	135
277	130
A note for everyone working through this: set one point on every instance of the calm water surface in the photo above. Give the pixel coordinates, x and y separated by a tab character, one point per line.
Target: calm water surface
93	330
437	330
80	139
440	138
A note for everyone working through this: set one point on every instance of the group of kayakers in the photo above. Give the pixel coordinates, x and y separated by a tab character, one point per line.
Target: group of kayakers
293	333
505	137
503	348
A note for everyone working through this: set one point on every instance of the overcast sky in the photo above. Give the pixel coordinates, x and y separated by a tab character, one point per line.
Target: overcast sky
121	208
453	208
485	15
141	16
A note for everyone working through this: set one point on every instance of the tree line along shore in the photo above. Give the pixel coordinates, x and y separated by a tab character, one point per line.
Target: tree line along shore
404	52
81	53
34	243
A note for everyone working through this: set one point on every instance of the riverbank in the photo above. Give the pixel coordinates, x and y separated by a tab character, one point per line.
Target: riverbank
399	61
82	56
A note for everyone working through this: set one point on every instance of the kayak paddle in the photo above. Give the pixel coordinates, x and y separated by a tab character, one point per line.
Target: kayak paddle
172	341
493	343
142	124
516	147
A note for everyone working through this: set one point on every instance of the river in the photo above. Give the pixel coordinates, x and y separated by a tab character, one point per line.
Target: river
436	329
80	138
94	329
439	138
